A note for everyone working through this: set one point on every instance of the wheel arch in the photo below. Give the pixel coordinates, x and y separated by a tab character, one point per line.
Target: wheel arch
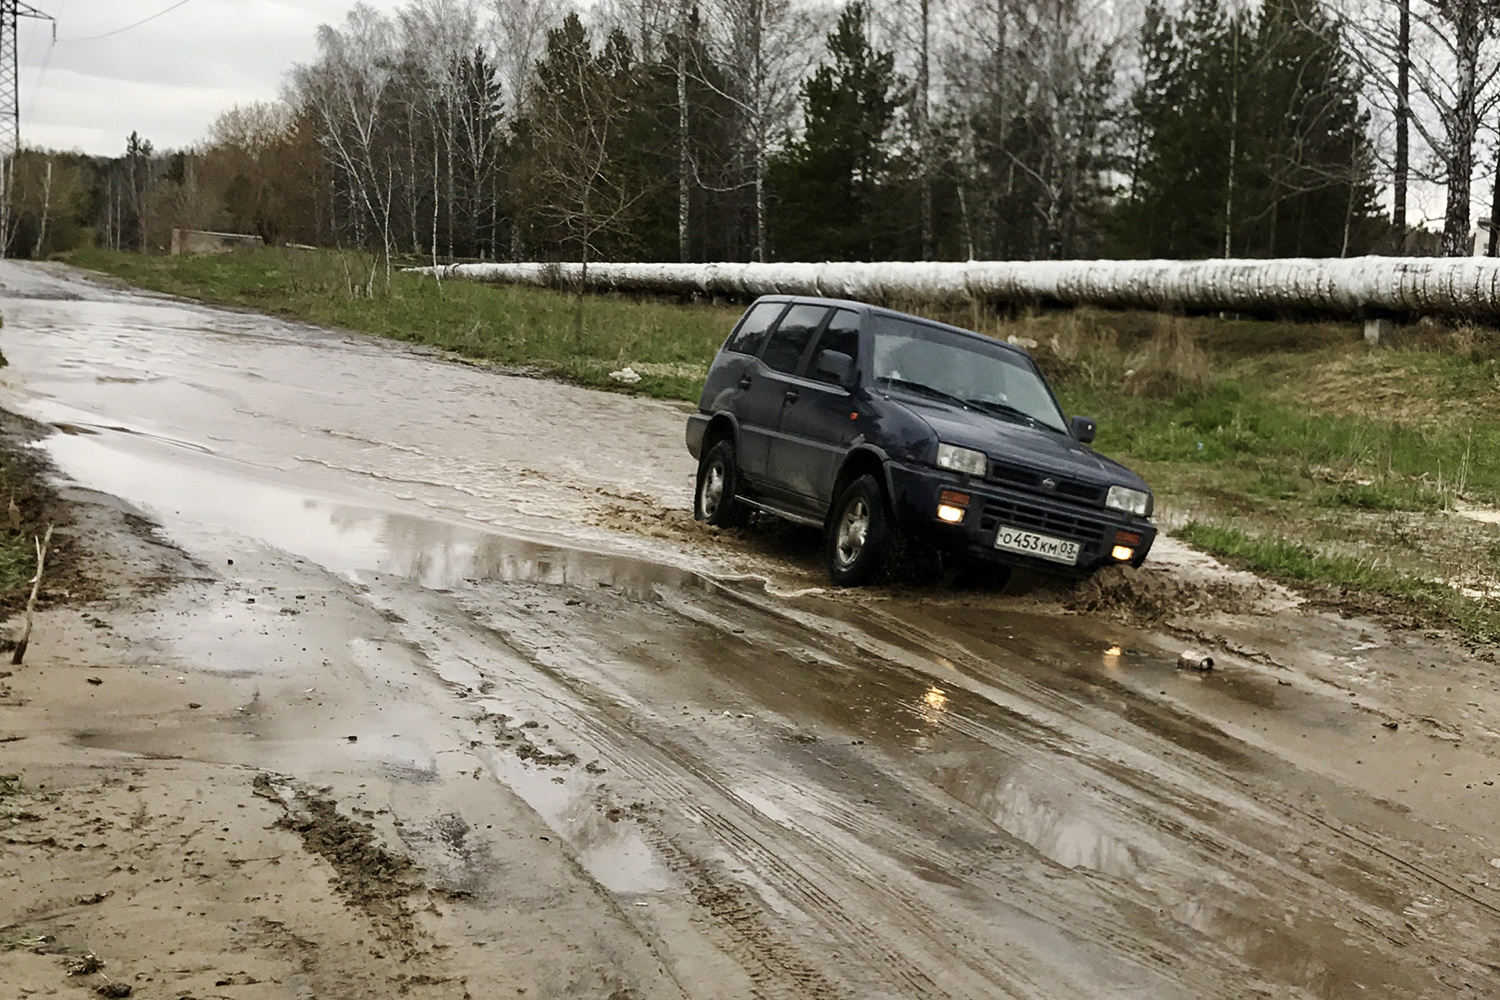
866	460
722	427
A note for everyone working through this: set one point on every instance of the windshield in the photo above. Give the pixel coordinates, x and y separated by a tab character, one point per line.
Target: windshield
940	364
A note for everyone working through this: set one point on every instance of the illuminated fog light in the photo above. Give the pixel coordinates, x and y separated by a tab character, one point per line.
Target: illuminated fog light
951	514
1123	553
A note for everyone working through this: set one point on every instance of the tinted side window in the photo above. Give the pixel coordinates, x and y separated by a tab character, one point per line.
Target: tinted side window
842	334
748	336
790	339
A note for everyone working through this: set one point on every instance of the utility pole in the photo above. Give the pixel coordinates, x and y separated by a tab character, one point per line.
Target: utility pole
10	104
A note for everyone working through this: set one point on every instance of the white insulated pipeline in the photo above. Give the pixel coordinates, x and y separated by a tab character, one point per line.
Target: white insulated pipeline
1359	286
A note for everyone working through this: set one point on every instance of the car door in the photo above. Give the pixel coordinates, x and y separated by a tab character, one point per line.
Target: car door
766	386
736	362
816	430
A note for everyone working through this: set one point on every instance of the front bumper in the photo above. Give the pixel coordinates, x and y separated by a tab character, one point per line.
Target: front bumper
914	499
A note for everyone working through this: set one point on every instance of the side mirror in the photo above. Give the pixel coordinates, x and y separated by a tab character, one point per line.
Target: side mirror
833	366
1084	429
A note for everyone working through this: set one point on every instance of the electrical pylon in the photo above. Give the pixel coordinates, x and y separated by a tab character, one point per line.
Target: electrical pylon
11	11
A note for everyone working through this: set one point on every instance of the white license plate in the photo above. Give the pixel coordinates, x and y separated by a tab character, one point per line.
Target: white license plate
1058	550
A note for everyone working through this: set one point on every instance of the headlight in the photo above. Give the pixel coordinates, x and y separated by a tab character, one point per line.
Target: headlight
950	456
1128	500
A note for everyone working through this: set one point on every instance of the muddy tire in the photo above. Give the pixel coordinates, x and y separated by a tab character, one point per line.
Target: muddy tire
862	534
718	486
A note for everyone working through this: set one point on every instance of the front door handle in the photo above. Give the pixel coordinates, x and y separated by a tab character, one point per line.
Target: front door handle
792	394
745	382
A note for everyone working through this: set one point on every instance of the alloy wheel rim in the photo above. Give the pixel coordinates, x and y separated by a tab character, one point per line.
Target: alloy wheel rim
713	489
854	529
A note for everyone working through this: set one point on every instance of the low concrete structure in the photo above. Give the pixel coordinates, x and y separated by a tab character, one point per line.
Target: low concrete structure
194	241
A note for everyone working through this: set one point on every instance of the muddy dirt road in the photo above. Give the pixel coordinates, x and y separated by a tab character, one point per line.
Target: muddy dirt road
599	752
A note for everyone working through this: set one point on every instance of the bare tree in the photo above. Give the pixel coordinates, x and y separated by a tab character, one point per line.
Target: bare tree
518	30
345	91
761	48
1446	53
1031	85
582	105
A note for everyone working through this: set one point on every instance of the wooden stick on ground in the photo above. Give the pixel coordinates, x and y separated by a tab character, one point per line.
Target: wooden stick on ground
42	544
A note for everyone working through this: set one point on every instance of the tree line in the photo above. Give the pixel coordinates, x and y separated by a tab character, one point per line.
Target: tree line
779	130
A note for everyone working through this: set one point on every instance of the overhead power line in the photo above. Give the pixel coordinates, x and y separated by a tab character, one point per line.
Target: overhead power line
128	27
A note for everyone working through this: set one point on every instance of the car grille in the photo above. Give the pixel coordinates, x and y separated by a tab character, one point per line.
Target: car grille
1031	479
1087	530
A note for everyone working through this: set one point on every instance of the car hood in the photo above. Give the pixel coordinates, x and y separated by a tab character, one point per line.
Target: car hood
1021	444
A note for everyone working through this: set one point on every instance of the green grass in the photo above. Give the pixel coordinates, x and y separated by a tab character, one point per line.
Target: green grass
17	562
668	344
1250	441
1292	448
1430	602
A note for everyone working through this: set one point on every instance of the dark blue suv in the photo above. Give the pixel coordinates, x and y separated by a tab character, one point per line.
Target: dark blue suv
875	426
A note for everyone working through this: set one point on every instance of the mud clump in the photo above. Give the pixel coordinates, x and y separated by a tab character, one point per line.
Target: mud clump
1150	595
517	738
366	874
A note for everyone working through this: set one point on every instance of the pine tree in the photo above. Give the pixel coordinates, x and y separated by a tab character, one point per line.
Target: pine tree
830	183
1249	139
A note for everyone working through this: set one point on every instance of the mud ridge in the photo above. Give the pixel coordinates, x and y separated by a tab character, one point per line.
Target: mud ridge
1150	595
367	876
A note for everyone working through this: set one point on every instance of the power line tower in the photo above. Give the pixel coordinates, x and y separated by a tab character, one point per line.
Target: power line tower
11	11
10	72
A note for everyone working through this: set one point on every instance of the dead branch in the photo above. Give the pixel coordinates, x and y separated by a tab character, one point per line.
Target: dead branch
42	544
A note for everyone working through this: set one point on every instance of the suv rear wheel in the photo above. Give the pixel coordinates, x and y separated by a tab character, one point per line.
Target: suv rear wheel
860	534
718	485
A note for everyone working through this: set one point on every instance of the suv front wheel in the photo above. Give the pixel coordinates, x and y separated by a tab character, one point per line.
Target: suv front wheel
860	534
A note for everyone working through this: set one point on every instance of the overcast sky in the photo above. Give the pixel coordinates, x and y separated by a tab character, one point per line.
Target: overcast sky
167	79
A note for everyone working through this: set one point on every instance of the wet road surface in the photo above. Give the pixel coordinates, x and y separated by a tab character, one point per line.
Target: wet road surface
788	793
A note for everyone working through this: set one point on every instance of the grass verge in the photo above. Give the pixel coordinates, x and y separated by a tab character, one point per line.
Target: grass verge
1294	449
1426	602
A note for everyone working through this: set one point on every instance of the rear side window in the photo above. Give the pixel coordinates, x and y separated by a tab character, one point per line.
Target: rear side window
751	333
790	339
842	334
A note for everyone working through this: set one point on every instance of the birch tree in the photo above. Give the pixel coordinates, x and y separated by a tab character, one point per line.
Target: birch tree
579	187
346	92
1447	54
759	51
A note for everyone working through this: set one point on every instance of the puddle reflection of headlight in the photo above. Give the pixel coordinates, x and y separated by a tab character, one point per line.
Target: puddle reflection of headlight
936	698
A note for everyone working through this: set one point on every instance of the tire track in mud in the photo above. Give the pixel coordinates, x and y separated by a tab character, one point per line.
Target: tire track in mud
1249	863
673	773
815	855
736	920
1241	796
814	886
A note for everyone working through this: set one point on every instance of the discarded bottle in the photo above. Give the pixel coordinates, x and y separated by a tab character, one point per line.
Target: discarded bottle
1191	659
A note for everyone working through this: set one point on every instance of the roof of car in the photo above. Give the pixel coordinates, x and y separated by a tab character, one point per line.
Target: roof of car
868	308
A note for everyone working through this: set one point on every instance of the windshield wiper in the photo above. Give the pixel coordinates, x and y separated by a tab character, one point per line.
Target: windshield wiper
1006	410
922	390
